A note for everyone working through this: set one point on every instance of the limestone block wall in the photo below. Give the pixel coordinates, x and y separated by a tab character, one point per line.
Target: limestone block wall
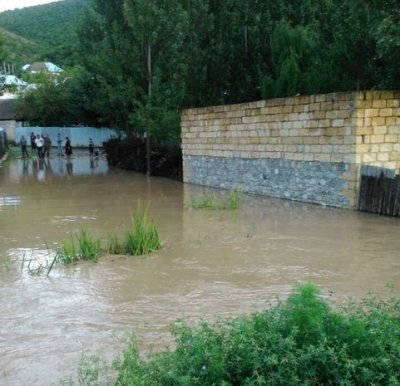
307	148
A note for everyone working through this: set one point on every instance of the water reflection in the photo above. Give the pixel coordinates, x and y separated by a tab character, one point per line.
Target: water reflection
47	169
213	263
9	201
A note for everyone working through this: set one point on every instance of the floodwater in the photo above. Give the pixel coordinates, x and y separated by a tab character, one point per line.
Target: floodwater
213	263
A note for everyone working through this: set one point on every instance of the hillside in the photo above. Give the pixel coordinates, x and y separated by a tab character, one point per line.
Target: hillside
36	33
18	48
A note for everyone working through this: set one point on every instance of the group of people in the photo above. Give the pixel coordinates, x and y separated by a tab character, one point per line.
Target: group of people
42	144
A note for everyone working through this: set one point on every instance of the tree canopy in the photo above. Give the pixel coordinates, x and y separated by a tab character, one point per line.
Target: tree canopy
151	58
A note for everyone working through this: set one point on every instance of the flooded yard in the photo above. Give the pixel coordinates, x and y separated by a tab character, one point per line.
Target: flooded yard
213	263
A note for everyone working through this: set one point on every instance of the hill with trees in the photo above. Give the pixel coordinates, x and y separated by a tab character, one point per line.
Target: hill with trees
42	32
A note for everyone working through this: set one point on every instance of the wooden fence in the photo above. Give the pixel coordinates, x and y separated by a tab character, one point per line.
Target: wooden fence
380	194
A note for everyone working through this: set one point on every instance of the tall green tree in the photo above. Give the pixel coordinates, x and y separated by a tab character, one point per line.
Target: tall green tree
159	32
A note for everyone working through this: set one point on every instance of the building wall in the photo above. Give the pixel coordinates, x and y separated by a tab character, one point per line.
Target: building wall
9	127
306	148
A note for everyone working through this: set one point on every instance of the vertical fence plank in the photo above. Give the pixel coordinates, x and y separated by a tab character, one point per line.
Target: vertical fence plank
379	194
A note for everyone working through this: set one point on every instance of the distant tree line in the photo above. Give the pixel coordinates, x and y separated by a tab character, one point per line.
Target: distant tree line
139	62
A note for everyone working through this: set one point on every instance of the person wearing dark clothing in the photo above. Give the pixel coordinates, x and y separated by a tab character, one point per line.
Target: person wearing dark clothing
33	143
22	143
91	147
47	146
68	147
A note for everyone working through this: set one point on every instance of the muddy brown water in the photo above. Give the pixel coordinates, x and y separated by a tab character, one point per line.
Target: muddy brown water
213	263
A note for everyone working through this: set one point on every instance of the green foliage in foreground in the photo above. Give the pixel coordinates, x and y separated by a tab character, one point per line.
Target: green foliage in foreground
300	342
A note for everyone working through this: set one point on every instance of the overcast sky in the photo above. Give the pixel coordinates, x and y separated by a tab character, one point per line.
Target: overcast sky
12	4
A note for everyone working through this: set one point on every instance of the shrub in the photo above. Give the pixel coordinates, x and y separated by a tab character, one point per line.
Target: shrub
302	341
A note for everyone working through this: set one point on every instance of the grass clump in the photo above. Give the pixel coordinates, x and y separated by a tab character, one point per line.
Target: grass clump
232	201
79	247
204	202
114	246
302	341
143	238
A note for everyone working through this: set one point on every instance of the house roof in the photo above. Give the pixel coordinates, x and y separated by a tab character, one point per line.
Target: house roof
10	80
42	66
7	110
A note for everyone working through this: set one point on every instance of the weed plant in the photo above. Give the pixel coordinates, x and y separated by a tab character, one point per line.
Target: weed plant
234	199
299	342
114	246
80	247
143	238
211	202
204	202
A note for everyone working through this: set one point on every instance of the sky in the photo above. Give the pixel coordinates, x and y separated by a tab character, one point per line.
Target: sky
13	4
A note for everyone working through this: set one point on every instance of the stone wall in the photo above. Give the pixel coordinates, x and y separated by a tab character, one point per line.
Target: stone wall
306	148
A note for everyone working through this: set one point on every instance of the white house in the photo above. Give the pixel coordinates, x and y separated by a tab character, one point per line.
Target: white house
47	67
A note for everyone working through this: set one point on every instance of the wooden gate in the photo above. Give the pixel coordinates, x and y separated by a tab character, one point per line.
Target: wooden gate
379	192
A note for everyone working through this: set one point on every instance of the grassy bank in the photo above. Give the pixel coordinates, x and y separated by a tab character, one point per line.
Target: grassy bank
302	341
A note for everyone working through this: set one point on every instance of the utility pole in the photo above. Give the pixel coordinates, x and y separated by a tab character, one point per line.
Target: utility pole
148	116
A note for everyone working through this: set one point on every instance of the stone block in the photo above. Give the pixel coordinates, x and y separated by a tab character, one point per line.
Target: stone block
369	113
382	157
394	130
378	121
386	112
379	130
394	156
391	138
377	138
393	103
379	103
322	157
337	158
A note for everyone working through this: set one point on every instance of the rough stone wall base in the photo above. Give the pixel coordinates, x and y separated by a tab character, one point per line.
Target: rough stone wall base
314	182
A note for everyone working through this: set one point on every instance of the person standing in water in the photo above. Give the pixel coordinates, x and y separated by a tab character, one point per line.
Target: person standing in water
47	146
59	145
91	147
22	143
39	145
68	147
33	143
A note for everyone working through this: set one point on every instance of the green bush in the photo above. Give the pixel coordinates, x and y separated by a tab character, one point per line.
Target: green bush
299	342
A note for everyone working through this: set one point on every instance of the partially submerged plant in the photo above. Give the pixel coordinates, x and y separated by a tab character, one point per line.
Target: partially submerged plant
211	202
204	202
143	238
114	246
83	248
